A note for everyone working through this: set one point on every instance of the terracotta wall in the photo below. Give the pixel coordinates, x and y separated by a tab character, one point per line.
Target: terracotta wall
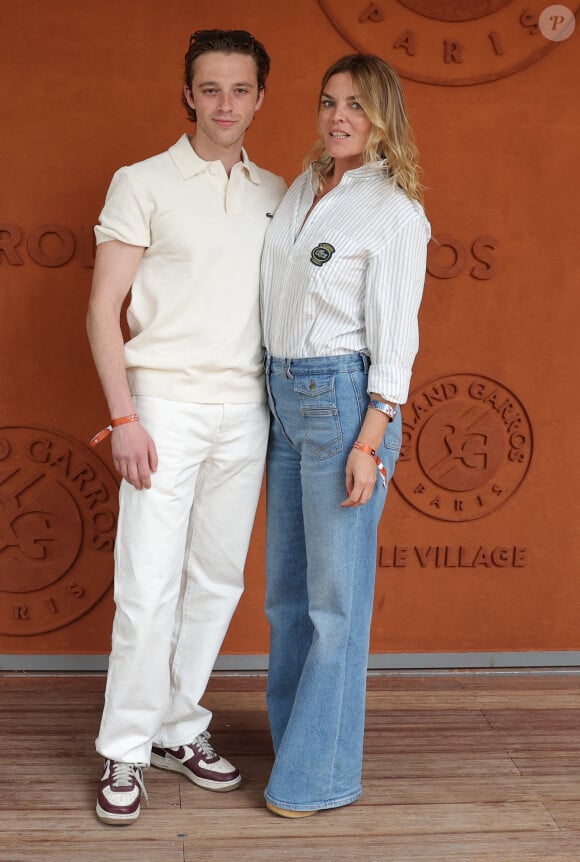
479	542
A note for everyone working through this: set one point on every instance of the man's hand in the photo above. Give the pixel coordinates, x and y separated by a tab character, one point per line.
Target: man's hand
361	478
134	454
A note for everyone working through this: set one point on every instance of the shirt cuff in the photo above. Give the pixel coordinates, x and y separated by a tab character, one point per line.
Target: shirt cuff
390	382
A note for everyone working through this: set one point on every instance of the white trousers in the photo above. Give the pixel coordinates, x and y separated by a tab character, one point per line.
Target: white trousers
179	562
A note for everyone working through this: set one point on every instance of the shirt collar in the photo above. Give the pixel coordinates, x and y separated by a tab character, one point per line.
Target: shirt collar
251	168
189	164
368	171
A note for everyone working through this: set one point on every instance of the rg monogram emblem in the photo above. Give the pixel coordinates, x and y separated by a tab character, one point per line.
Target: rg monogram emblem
58	514
467	445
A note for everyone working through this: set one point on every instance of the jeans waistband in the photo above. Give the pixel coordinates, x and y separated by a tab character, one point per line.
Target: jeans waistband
317	364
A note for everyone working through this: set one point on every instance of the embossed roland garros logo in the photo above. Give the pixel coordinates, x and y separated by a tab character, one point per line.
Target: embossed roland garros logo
451	42
58	515
467	445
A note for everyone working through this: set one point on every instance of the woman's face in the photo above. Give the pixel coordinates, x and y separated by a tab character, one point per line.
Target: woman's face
342	122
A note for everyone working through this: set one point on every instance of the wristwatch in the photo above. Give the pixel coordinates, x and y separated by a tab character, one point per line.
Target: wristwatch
383	407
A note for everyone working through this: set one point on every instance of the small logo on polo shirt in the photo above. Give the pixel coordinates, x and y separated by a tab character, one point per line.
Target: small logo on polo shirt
269	215
322	253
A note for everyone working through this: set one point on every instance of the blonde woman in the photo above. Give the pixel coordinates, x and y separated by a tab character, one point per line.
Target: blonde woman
342	278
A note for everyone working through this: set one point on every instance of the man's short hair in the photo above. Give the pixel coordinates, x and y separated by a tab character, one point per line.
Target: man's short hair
228	42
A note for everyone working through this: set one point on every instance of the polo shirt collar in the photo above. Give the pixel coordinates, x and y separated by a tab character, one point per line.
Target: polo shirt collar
250	168
189	164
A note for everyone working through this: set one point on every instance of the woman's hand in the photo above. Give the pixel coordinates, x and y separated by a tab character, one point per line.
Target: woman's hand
361	477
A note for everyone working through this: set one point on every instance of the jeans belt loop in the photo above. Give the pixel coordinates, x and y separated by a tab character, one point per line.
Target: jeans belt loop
287	373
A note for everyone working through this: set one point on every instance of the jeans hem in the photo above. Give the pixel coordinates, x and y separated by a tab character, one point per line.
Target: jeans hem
315	806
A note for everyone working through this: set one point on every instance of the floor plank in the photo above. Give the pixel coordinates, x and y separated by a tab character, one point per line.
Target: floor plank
459	767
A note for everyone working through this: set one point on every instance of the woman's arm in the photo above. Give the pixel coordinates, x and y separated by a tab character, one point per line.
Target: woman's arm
395	280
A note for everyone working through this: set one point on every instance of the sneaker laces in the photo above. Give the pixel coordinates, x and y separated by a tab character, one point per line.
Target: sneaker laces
122	773
207	749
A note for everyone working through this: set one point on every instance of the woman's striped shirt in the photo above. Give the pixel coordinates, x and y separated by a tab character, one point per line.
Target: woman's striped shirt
349	278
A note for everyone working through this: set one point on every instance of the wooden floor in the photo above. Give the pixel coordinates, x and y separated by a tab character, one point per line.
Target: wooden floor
459	768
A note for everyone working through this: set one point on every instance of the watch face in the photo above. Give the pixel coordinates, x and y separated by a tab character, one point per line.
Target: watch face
453	42
385	408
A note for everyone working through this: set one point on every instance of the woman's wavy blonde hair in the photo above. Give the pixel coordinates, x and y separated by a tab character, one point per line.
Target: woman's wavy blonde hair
381	97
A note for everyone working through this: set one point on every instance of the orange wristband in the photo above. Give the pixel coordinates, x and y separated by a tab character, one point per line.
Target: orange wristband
373	453
101	435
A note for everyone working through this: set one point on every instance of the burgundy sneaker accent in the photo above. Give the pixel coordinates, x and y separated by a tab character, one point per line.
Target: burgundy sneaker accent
200	763
119	797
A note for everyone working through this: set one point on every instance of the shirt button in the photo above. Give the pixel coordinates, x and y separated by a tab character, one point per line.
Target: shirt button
213	170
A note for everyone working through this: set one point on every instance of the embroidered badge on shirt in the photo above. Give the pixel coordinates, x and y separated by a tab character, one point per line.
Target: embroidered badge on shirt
322	253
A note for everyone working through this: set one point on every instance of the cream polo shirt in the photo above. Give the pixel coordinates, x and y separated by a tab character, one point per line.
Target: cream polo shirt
194	314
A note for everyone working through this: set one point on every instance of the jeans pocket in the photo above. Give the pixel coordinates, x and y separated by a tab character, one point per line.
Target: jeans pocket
394	434
318	410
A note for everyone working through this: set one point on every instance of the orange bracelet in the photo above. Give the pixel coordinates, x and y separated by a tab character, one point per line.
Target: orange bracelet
373	453
122	420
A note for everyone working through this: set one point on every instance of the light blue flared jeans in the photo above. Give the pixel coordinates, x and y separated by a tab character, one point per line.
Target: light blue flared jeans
320	565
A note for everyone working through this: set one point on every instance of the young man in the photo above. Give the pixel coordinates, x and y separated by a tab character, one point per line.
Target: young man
183	231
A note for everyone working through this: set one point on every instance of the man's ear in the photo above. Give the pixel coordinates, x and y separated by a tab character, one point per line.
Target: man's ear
261	95
188	97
